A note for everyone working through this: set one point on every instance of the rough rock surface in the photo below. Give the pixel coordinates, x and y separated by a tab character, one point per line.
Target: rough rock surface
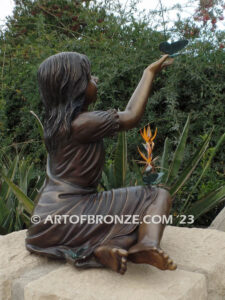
219	222
199	253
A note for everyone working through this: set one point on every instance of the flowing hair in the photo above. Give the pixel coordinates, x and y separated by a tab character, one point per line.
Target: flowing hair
62	80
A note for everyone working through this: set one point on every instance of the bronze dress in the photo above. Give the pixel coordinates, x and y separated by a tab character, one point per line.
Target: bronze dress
73	174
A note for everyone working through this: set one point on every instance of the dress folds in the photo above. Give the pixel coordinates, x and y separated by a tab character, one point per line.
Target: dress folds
70	191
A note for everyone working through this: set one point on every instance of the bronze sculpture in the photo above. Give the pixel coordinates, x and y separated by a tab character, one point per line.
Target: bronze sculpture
74	140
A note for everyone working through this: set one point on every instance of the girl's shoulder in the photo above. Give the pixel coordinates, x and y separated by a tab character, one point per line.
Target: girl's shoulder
97	116
95	125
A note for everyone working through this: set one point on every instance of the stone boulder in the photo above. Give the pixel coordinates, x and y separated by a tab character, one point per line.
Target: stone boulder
219	222
199	253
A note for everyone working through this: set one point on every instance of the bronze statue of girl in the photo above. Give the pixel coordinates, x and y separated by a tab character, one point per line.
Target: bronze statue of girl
74	141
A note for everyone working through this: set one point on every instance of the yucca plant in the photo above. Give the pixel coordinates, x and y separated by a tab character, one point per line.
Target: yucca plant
19	188
174	179
118	173
114	174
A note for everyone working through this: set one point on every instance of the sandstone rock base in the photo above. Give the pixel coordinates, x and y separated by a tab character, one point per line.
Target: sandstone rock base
199	253
219	222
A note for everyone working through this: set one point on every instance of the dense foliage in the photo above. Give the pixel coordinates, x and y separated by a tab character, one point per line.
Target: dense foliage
119	48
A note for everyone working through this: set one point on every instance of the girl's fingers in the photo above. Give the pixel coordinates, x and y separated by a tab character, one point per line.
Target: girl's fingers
159	64
168	62
163	58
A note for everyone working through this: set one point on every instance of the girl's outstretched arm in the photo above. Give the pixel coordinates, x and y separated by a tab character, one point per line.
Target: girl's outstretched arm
137	103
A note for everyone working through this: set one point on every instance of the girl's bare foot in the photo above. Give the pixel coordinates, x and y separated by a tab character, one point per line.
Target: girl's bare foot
152	255
111	257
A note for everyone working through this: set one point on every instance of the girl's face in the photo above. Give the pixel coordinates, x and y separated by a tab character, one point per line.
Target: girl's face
91	91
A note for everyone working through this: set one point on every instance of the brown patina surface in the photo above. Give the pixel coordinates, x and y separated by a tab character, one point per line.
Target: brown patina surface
73	174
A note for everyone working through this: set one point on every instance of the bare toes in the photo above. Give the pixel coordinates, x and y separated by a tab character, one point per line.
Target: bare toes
166	256
172	266
123	266
120	252
123	260
151	255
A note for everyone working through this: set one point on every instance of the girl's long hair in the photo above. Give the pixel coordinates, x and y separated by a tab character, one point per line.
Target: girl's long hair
62	80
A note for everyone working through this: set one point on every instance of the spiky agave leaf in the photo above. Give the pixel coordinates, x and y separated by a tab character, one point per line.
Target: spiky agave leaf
178	155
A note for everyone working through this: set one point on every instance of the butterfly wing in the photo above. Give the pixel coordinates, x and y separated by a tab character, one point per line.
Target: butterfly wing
165	47
179	45
170	49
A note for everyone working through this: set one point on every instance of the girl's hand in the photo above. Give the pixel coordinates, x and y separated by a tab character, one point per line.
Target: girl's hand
157	66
